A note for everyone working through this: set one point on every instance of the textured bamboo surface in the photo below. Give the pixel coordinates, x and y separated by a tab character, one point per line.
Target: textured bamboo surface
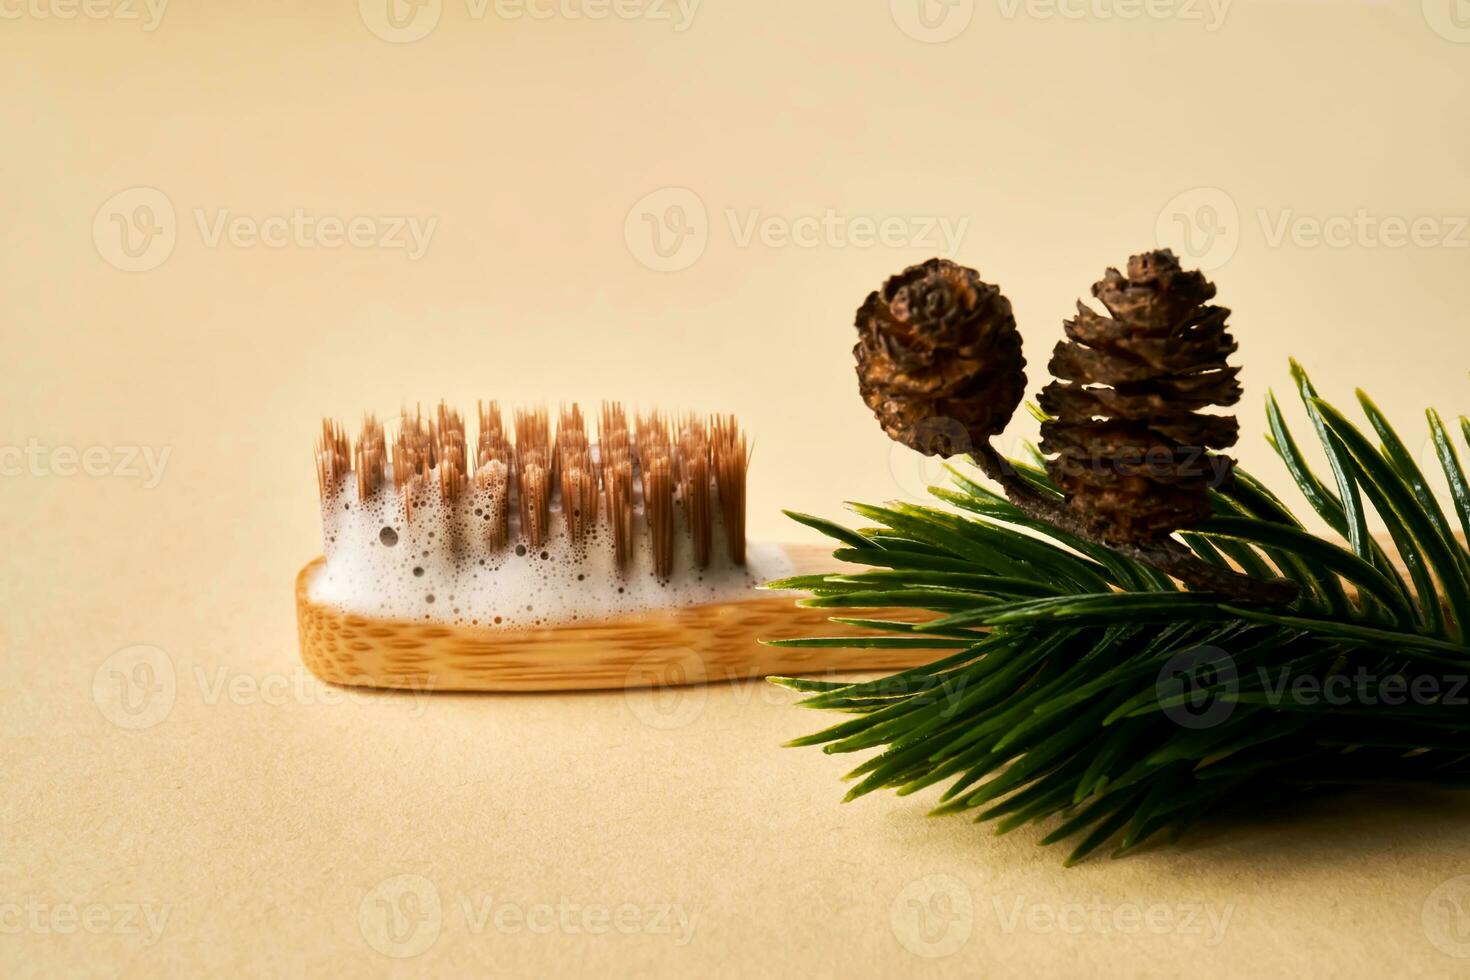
687	645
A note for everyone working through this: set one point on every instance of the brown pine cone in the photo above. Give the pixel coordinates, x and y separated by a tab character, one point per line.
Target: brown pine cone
1129	445
939	359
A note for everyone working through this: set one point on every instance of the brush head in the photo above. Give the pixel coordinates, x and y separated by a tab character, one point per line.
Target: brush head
655	499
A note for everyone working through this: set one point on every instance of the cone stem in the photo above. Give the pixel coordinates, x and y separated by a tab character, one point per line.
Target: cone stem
1167	555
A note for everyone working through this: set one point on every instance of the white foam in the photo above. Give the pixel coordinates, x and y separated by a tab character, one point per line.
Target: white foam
438	567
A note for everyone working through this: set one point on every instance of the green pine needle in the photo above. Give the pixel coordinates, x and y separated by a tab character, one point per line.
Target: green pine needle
1085	692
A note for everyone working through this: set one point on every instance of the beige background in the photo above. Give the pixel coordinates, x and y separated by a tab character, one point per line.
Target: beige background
269	817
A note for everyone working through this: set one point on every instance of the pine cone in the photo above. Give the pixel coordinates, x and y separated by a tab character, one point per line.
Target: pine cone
939	359
1128	441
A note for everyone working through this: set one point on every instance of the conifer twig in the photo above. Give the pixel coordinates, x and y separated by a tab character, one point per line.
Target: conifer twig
1166	554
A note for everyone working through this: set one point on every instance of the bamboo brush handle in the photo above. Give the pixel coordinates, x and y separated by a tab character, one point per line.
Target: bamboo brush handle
685	645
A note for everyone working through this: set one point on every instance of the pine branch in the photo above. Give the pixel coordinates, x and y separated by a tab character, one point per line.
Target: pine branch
1080	688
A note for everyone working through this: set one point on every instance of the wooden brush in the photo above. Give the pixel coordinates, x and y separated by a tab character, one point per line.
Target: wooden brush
549	561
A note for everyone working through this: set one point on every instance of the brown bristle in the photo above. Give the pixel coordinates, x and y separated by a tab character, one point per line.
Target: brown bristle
491	444
615	458
612	428
577	475
571	438
533	437
493	456
617	490
413	450
694	486
370	458
578	496
333	459
664	462
494	478
450	452
535	497
651	434
658	510
656	466
533	473
413	457
731	457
